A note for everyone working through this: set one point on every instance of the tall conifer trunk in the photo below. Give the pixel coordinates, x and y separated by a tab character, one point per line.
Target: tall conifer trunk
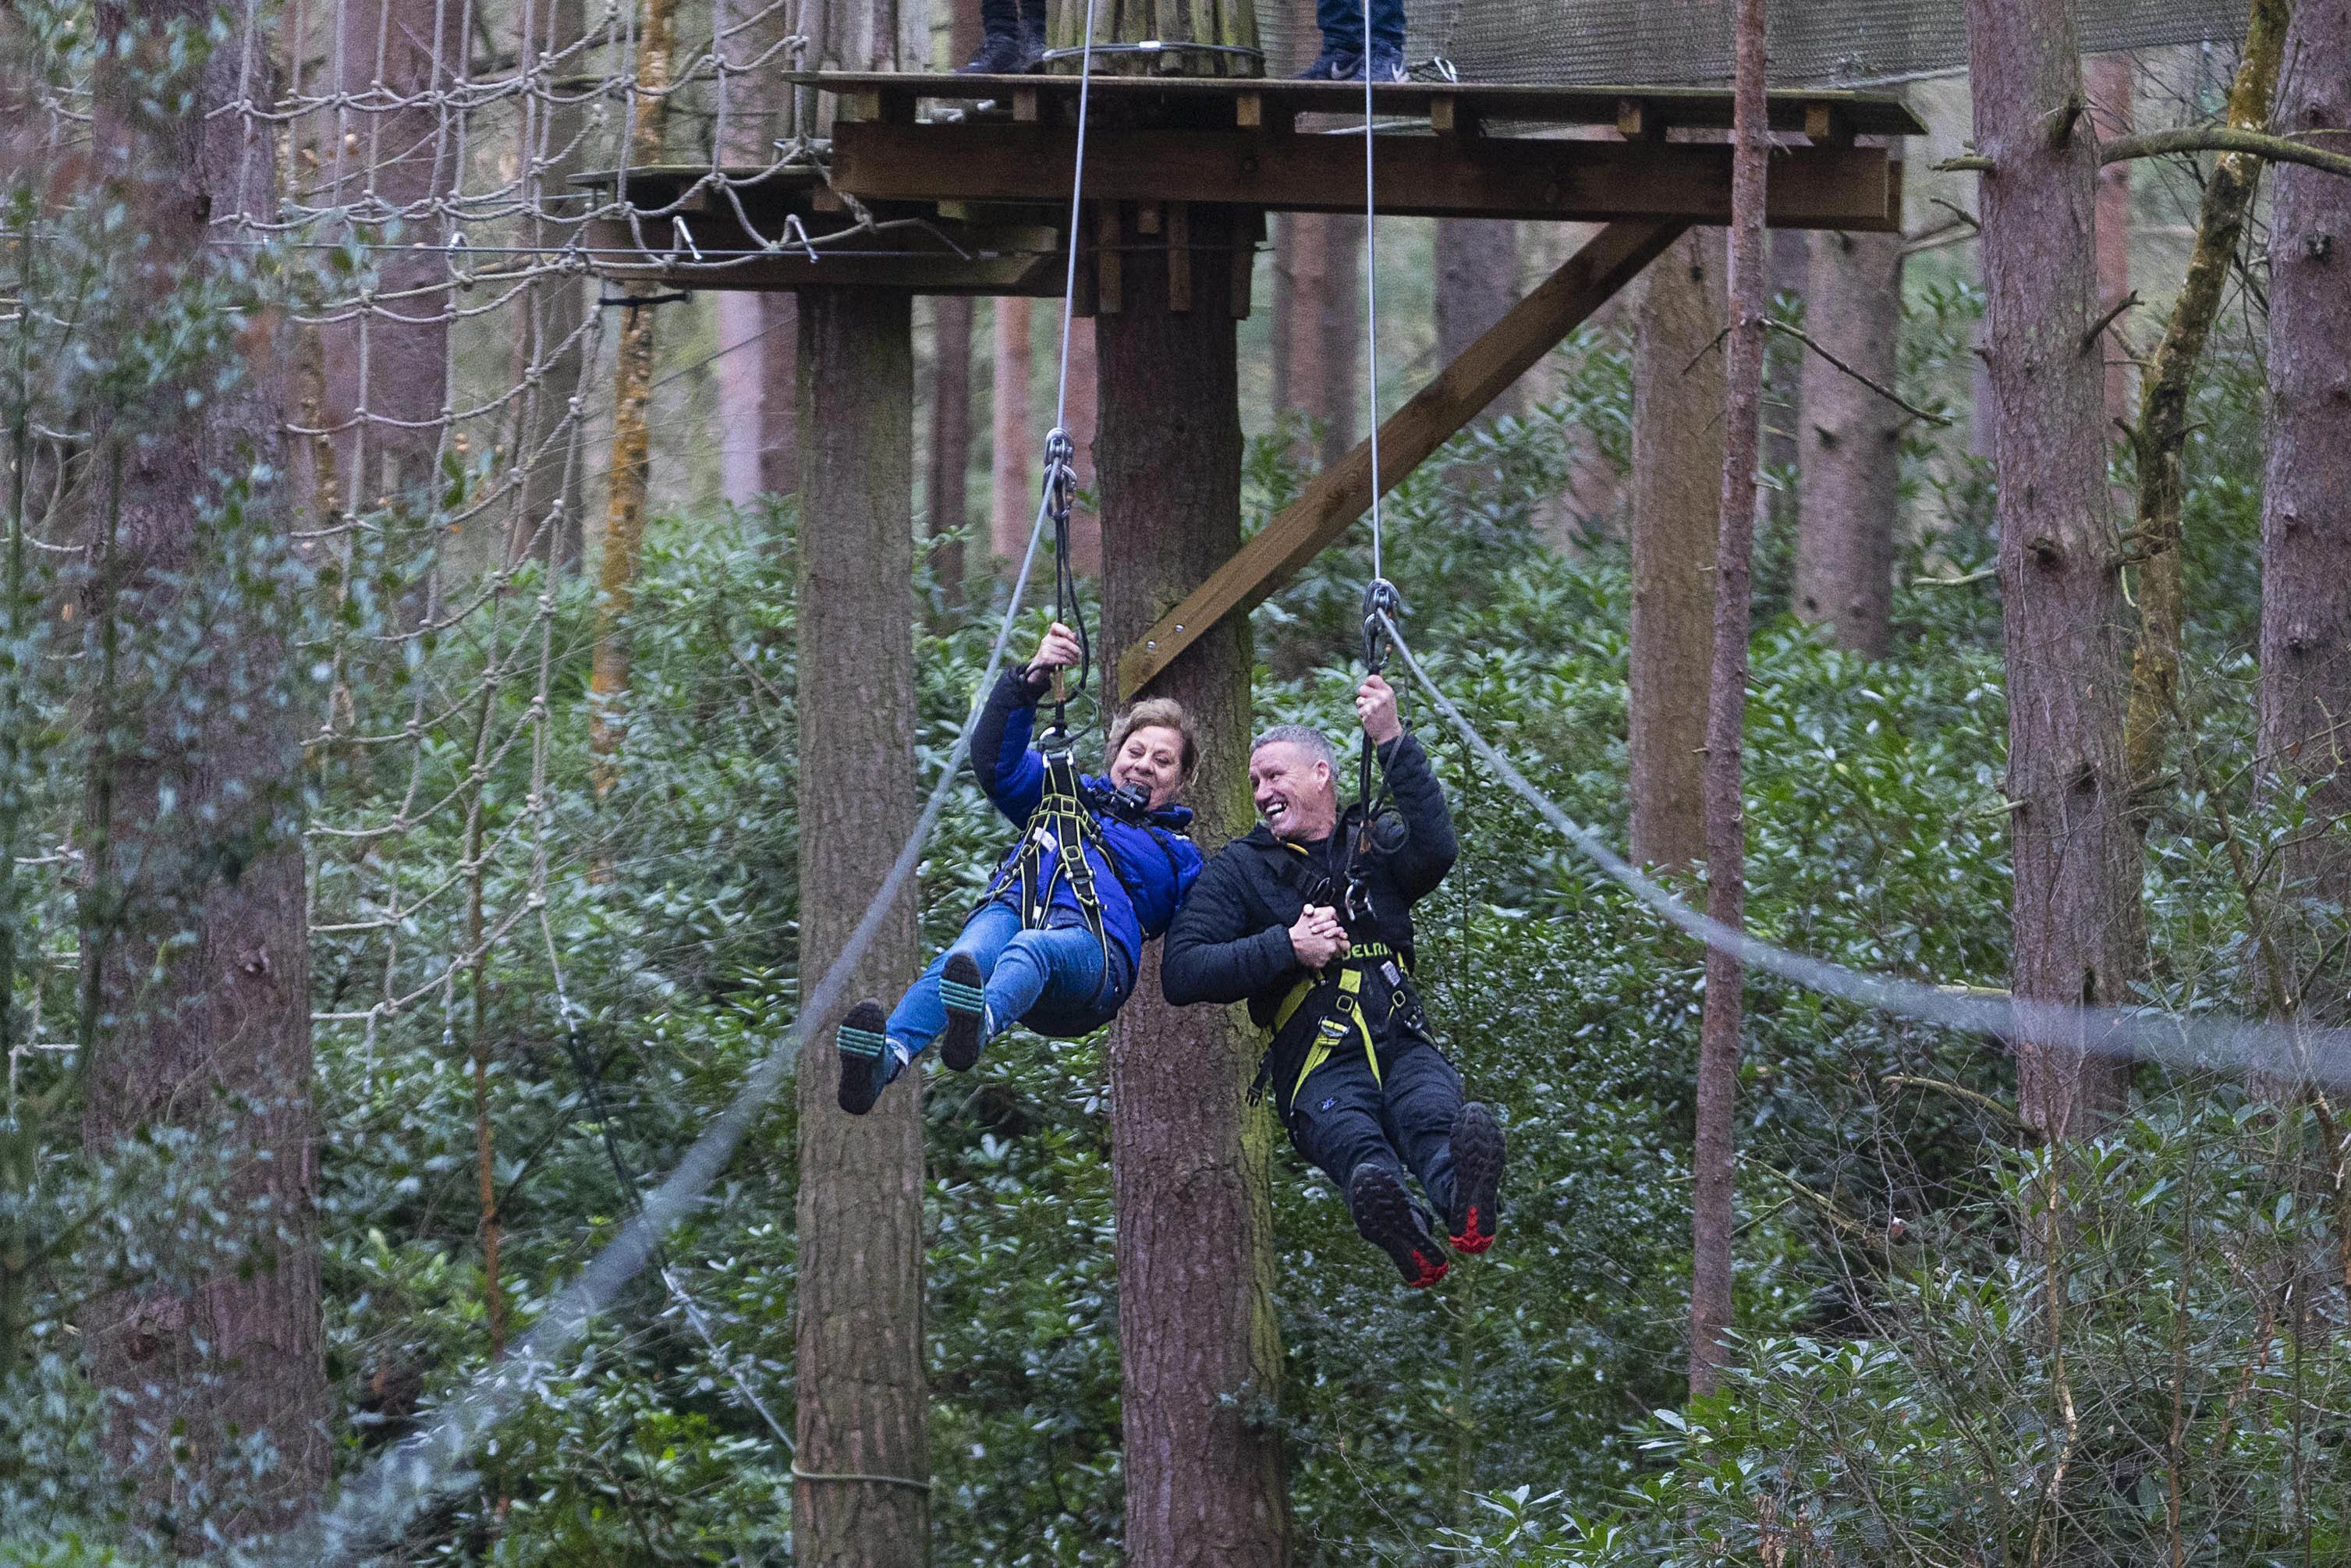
1714	1164
1477	283
862	1400
1197	1336
1013	457
1851	440
2306	686
2077	932
1676	480
390	378
947	495
195	954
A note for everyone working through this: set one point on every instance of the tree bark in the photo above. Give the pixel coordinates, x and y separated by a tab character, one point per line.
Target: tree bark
1083	417
1318	304
742	394
780	395
195	951
1714	1164
862	1403
2160	433
1852	441
629	475
1199	1341
1677	393
947	493
2305	681
1477	283
1015	472
387	369
557	344
2078	934
2112	85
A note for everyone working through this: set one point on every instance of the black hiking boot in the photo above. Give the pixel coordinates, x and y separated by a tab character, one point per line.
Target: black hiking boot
1032	39
1477	1178
961	994
864	1051
1005	49
1390	1220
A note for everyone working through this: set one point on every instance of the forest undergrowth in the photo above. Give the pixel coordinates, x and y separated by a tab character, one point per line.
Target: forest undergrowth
1956	1348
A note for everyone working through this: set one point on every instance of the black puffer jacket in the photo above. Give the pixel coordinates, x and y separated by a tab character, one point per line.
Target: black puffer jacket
1230	941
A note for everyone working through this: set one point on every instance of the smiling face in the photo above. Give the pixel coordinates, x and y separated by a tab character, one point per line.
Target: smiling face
1151	757
1294	791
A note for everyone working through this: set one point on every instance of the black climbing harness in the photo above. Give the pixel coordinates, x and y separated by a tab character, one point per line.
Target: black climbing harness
1061	829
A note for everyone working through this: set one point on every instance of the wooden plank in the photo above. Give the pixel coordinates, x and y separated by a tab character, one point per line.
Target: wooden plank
1447	116
1873	114
1025	106
1249	111
1419	176
1461	392
1635	123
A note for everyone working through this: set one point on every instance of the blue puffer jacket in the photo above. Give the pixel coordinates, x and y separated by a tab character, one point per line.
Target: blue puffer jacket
1151	870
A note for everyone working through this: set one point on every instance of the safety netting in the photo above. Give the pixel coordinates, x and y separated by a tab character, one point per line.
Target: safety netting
1815	43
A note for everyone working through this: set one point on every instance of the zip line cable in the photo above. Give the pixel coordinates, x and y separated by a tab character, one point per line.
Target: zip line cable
2285	1050
1371	296
383	1499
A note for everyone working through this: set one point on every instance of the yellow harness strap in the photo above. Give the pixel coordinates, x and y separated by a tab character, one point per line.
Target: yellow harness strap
1346	1010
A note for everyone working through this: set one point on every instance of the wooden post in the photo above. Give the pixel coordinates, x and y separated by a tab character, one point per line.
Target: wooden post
1197	1331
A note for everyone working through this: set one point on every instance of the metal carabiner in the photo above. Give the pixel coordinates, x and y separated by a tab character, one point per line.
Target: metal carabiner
1381	604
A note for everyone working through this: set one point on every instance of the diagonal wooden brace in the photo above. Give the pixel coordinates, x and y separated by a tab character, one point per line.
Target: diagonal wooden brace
1441	410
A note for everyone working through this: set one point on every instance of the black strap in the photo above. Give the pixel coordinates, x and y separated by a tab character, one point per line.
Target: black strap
1062	828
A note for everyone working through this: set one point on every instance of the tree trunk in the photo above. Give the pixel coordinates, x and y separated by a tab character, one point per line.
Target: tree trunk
1083	416
1676	484
1714	1164
194	948
2112	85
1318	304
2077	929
387	378
1477	283
2160	433
742	371
631	471
557	344
2305	684
1199	1341
863	1404
1851	441
779	394
947	495
1016	460
1785	374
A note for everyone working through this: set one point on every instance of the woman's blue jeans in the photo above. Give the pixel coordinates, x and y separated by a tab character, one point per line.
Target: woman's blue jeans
1019	968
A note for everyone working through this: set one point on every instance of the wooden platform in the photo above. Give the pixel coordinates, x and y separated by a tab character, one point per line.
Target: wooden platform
966	179
1290	146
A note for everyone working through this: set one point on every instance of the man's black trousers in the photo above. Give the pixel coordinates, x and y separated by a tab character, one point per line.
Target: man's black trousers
1344	1117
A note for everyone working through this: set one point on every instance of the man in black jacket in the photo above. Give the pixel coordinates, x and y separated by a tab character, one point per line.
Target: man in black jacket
1308	920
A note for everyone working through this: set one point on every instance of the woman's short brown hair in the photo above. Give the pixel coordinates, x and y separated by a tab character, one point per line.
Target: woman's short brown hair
1158	713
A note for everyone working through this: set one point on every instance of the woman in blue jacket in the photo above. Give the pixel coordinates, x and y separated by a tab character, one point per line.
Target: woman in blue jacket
1057	977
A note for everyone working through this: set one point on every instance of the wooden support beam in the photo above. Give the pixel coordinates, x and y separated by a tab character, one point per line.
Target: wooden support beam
1419	176
1338	495
1179	257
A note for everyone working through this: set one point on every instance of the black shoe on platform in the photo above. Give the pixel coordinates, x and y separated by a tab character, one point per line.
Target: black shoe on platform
1001	54
961	994
1390	1220
1477	1178
864	1051
1335	65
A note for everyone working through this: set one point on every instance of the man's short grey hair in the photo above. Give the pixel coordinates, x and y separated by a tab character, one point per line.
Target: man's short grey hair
1316	744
